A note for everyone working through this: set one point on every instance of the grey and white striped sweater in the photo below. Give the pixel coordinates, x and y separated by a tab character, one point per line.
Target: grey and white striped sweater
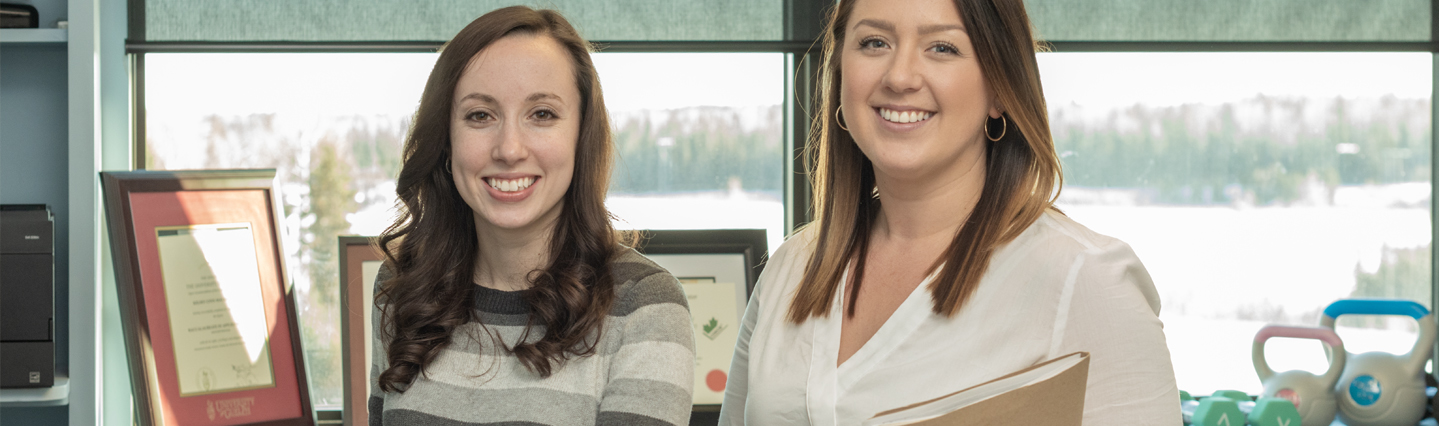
641	372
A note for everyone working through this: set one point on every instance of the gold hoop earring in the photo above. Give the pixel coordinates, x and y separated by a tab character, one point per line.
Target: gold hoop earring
839	120
1004	122
447	165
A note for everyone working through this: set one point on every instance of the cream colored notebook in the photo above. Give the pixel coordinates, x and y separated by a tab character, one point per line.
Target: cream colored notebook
1048	393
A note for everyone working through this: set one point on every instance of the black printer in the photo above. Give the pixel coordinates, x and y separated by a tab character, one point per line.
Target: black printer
27	296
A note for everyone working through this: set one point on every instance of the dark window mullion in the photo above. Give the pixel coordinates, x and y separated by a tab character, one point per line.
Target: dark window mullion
1434	174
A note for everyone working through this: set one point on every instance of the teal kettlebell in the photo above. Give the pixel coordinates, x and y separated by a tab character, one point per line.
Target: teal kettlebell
1380	388
1312	395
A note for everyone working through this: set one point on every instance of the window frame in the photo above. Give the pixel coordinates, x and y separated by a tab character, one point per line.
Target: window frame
804	21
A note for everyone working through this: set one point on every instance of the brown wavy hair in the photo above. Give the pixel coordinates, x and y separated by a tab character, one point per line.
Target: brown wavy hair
432	247
1022	177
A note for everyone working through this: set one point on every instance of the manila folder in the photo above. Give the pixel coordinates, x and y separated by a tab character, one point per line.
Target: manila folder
1049	393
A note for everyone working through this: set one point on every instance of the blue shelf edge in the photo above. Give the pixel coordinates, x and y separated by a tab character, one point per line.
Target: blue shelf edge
38	397
34	35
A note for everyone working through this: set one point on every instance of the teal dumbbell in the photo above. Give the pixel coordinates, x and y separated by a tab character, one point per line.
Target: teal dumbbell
1274	412
1240	398
1218	411
1187	404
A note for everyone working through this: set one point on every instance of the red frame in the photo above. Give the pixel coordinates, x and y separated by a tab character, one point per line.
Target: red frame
355	362
138	202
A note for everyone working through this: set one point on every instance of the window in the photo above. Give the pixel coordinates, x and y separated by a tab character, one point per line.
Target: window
336	151
700	140
1257	188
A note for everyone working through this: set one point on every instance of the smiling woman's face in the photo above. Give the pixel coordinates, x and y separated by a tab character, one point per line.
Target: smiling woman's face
912	92
513	132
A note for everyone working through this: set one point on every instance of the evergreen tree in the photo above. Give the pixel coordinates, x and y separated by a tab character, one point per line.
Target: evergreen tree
331	198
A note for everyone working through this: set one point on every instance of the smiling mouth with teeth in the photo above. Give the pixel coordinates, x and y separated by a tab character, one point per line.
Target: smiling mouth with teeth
905	117
510	185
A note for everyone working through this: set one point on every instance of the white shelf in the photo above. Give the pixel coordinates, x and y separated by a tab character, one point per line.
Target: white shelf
38	397
33	35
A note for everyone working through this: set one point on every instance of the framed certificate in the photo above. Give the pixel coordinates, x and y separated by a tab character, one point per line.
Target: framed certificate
718	269
360	263
209	317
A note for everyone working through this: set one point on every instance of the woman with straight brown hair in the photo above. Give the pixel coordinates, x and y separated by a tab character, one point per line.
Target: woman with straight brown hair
506	295
936	260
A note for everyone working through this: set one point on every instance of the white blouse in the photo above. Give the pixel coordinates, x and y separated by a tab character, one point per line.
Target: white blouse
1056	289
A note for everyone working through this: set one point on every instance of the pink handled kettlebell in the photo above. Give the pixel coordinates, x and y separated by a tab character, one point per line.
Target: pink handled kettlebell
1312	395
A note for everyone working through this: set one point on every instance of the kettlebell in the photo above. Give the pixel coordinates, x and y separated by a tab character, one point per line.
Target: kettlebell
1380	388
1312	395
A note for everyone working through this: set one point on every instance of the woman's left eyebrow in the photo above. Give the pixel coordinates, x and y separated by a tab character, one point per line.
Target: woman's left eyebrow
543	95
930	29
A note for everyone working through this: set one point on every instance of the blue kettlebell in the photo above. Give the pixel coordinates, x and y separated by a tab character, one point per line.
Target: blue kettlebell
1380	388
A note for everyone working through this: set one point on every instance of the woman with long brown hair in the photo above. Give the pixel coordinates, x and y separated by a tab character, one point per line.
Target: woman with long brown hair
506	295
936	260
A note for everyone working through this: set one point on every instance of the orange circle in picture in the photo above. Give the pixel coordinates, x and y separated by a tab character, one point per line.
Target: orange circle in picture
715	380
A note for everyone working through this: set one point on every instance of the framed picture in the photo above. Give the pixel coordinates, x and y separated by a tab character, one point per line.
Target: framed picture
718	269
211	331
360	263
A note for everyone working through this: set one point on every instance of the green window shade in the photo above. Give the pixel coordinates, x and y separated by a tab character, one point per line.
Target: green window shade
439	20
1232	20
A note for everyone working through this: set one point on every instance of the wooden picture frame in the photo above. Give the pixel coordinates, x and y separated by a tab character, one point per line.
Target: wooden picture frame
360	262
719	268
203	286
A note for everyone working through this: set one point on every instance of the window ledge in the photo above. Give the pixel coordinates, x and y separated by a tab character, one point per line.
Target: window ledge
34	35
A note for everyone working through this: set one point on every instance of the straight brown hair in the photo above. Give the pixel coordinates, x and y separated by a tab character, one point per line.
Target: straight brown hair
1022	178
432	247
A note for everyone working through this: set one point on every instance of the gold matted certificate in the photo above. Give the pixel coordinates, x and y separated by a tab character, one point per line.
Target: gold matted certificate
716	321
217	312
